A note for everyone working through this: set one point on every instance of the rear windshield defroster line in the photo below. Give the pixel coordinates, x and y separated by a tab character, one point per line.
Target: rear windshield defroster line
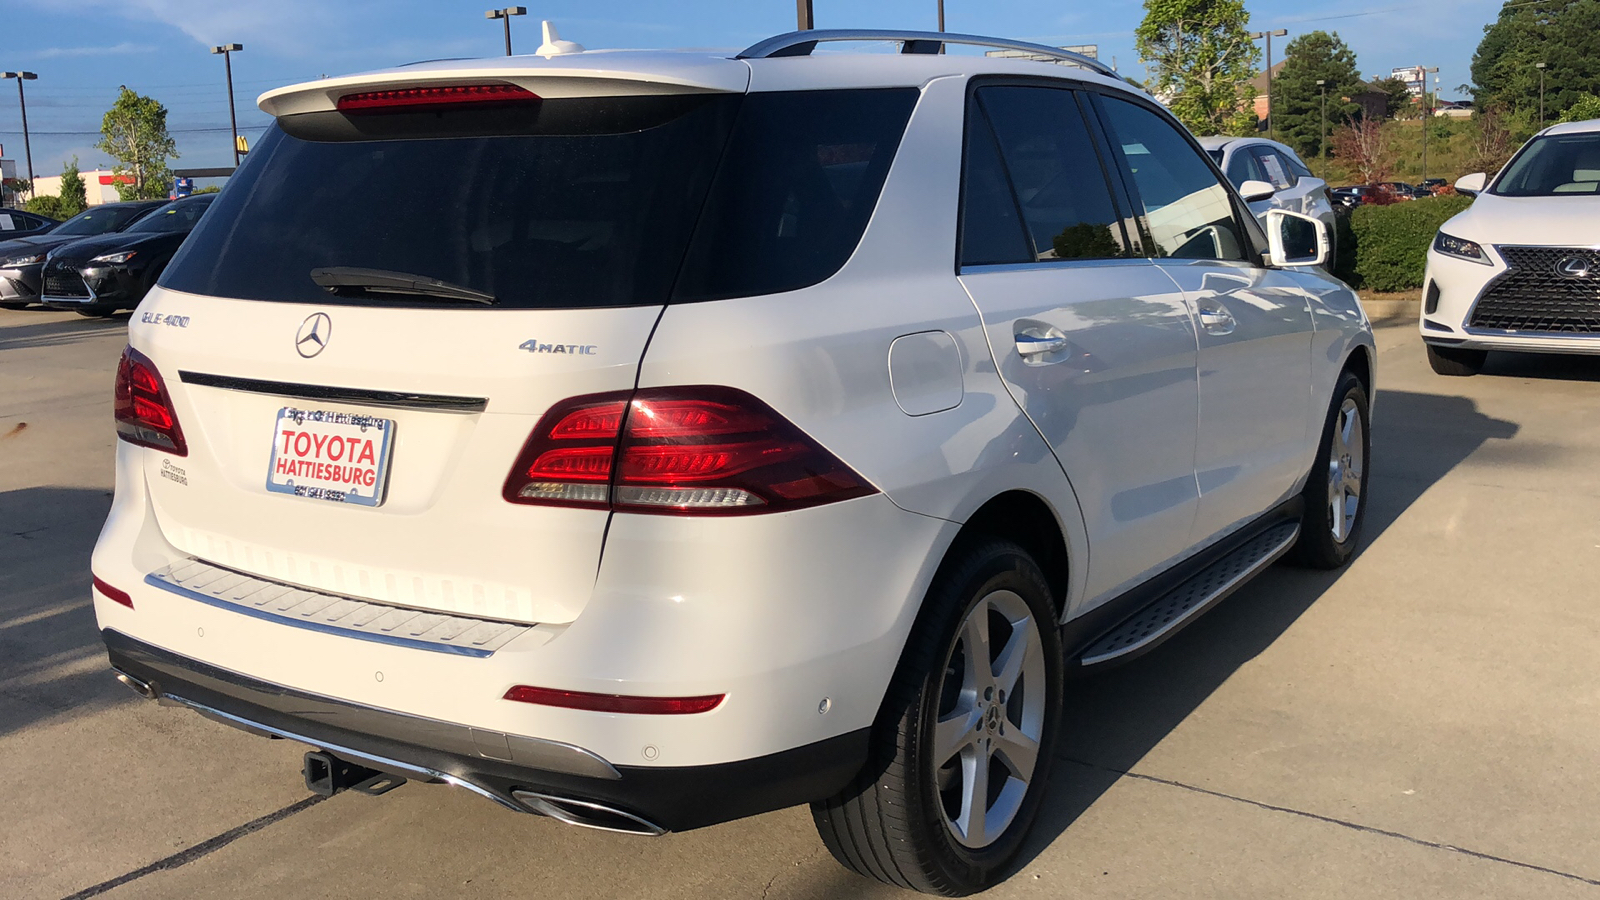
574	203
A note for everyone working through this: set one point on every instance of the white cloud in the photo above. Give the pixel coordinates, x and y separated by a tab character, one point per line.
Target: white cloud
59	52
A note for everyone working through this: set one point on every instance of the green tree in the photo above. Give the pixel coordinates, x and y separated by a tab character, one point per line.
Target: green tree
135	133
74	196
1201	61
1563	34
1587	107
1312	57
45	205
1398	102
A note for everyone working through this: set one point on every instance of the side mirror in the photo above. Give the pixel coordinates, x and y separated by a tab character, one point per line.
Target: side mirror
1296	240
1254	190
1471	185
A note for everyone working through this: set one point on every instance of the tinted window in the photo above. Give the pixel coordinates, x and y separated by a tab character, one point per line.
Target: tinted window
177	217
798	183
991	230
1554	164
1243	167
573	203
100	220
1187	211
1275	168
1055	172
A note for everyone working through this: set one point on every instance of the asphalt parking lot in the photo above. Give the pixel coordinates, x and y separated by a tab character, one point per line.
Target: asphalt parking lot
1423	723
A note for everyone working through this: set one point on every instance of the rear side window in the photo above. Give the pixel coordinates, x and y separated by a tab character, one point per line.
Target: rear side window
1276	168
991	226
1054	172
799	181
1244	167
1187	211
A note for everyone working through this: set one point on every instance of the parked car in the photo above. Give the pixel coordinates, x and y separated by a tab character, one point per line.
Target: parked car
1395	191
22	260
1293	186
16	223
736	437
1350	196
100	275
1519	269
1431	185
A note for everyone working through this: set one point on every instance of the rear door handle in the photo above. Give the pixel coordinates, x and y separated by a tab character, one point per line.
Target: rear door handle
1039	344
1215	318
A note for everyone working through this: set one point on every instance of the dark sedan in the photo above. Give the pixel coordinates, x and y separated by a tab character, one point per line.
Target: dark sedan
22	259
16	223
98	276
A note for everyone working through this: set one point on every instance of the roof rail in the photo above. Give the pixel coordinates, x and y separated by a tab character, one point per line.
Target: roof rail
801	43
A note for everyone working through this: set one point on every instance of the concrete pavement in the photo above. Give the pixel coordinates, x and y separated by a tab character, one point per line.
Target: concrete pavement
1425	722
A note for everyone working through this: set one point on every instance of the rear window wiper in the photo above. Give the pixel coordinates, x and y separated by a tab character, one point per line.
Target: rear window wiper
385	281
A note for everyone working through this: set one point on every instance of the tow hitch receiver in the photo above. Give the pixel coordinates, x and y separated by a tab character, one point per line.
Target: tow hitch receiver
327	775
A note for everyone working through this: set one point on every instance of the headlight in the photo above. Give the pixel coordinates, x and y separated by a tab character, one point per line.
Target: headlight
122	257
1460	249
17	262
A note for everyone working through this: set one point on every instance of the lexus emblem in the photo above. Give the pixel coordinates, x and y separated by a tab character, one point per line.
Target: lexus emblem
1573	267
313	335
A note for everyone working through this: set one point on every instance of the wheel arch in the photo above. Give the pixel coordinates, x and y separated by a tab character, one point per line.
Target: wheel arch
1025	519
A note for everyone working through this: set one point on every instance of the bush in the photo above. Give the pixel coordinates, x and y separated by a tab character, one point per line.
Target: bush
46	205
1388	245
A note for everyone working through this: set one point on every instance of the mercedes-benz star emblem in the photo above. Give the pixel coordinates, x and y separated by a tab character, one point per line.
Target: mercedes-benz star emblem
313	335
1573	267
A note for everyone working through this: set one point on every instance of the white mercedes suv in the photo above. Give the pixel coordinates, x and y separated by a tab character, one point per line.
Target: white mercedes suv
1520	268
649	439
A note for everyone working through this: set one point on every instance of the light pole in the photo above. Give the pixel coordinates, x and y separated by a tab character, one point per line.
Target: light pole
23	101
505	16
1426	115
227	51
1322	143
1272	122
804	20
941	16
1540	67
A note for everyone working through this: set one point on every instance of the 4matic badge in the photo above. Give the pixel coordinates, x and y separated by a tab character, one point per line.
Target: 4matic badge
533	346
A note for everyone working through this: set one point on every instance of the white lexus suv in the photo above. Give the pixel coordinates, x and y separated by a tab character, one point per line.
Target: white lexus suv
650	439
1520	268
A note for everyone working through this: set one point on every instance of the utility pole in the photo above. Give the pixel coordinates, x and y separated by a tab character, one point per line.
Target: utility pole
227	51
505	16
1272	120
804	20
1322	144
1427	114
1539	66
22	100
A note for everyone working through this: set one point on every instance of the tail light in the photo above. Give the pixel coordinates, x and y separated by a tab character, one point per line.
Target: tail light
614	703
688	451
143	410
422	99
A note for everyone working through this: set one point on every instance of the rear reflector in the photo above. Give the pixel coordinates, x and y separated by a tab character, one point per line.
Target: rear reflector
112	593
701	450
426	98
615	703
143	409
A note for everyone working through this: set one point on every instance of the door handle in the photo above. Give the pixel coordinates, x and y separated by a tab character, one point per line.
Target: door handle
1215	318
1038	343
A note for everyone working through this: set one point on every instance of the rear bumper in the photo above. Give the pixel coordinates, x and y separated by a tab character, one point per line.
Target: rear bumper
491	764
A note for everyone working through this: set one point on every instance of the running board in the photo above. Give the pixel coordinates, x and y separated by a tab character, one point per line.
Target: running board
1171	611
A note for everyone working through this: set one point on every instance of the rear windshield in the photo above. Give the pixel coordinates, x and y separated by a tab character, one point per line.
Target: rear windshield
177	217
573	203
1554	164
99	221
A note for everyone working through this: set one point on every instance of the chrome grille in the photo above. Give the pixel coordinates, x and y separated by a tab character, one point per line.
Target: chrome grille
1532	296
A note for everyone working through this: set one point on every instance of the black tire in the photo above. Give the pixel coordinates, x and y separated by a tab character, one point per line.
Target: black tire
892	823
1323	544
1455	361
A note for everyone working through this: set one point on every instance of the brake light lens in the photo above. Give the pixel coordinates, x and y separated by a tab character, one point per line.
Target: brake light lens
686	451
421	99
113	594
615	703
143	409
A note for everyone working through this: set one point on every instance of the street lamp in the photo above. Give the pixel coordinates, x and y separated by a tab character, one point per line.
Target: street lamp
1426	115
804	20
505	16
1539	66
941	16
1322	144
23	100
227	51
1272	121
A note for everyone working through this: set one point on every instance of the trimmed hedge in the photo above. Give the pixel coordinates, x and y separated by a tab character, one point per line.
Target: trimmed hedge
1385	248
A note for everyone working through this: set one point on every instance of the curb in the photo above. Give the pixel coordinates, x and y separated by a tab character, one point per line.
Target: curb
1391	312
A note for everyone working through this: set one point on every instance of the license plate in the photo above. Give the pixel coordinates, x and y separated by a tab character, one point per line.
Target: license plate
333	456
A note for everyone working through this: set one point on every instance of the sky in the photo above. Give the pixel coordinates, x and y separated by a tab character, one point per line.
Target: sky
83	50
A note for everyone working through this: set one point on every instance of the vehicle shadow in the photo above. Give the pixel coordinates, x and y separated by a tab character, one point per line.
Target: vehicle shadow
51	660
59	331
1113	720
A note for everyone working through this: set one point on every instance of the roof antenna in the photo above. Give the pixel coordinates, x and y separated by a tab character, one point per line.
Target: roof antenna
553	44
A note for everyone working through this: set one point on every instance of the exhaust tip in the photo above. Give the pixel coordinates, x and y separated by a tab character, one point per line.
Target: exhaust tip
138	687
587	814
